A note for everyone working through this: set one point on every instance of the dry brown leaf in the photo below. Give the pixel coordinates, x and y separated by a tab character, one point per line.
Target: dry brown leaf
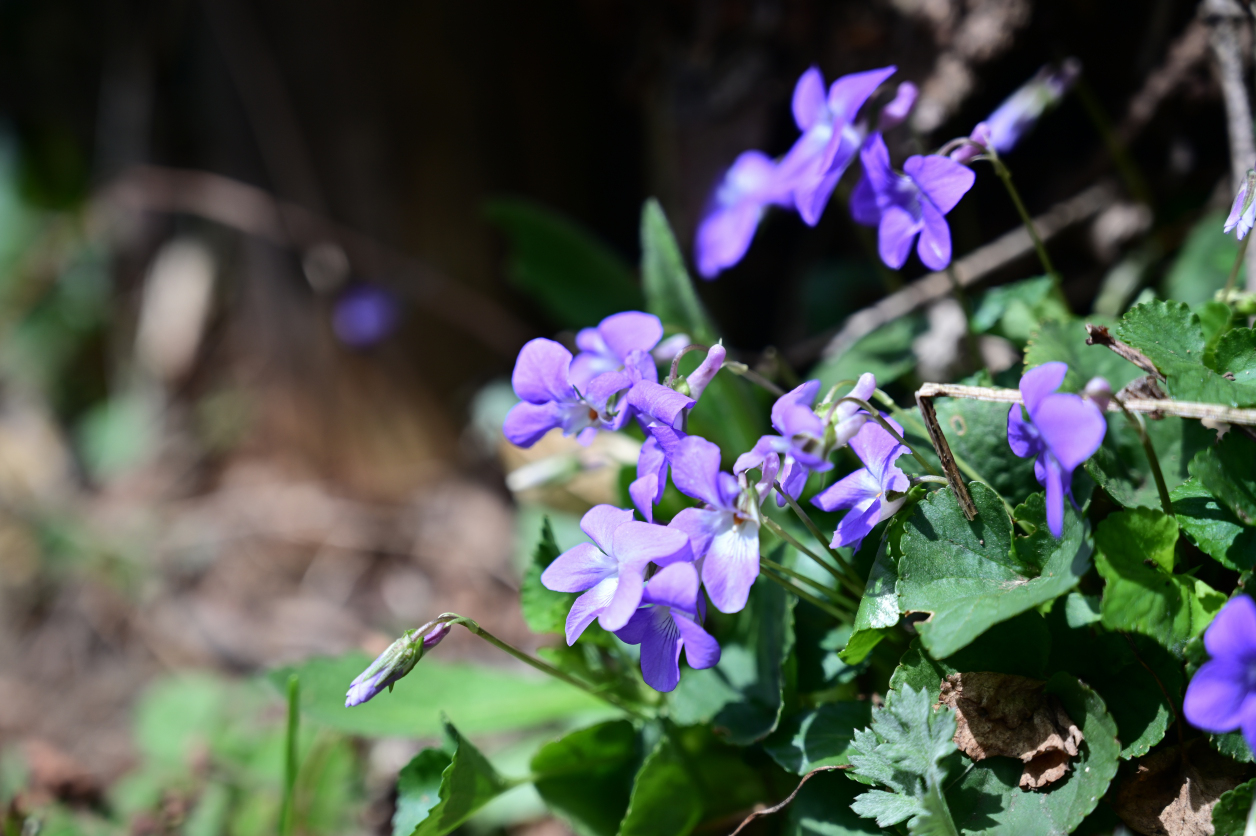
1167	795
1001	715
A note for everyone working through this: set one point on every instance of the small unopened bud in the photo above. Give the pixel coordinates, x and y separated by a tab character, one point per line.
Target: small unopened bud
897	111
1098	390
977	143
1243	210
705	373
395	662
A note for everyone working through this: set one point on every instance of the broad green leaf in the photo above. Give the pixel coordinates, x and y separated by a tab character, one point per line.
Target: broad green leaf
1120	465
1065	341
1232	745
1015	310
669	291
440	789
1147	599
878	609
822	808
742	696
886	353
1213	527
1020	647
1236	355
575	277
1204	262
968	575
1138	679
1228	472
819	737
1229	817
586	777
1215	319
988	800
664	801
543	609
485	699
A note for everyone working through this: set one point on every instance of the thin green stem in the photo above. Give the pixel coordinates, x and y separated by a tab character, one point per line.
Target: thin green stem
470	624
819	535
835	594
742	370
287	813
839	572
1141	428
875	415
1238	264
1006	176
823	606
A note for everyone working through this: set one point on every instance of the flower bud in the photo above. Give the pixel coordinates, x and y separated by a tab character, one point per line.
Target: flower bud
706	371
1020	111
978	143
896	112
395	662
1243	211
1099	391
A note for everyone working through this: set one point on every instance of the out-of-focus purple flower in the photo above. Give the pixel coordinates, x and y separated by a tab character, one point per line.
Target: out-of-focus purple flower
612	567
752	184
899	108
865	491
1222	694
978	143
1243	210
364	315
1098	390
617	341
807	436
725	534
670	623
1062	431
1020	111
830	138
913	203
541	380
395	662
666	351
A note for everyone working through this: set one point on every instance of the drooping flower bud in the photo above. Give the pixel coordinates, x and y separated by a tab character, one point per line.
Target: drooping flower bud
1098	390
706	371
1243	212
395	662
897	111
1021	110
978	143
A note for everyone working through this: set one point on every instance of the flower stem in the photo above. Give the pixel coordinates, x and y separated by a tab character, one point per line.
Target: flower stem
1141	428
470	624
818	534
843	617
839	572
1238	264
1006	176
875	415
835	594
287	813
742	370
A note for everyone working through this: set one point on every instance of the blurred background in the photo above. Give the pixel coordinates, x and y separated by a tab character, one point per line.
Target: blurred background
265	267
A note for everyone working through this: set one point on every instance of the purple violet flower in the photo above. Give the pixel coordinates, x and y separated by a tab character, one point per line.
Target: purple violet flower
896	112
807	438
978	143
725	534
1062	431
542	380
865	491
1243	210
830	138
395	662
913	203
364	315
1020	111
612	567
671	622
750	185
1222	694
613	344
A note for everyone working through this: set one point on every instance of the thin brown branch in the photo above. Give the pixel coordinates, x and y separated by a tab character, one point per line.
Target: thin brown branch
943	449
1099	335
776	808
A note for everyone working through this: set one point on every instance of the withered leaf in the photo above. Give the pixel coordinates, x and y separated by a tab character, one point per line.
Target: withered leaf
1009	716
1166	794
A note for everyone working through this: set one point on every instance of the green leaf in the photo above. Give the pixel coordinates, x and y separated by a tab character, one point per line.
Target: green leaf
1204	262
822	808
486	699
1020	646
1120	465
1148	599
988	800
886	353
1132	674
586	777
742	696
906	749
665	801
669	291
878	609
573	275
439	790
1213	527
1229	817
1015	310
1228	472
543	609
1236	355
819	737
1232	745
1215	319
1065	341
969	576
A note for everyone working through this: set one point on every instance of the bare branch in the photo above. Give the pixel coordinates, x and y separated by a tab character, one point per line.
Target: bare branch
776	808
943	449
